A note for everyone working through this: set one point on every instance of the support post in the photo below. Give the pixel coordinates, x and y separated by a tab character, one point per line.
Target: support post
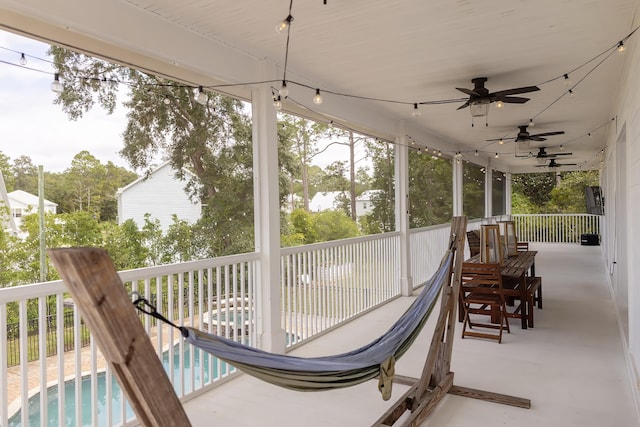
96	288
402	209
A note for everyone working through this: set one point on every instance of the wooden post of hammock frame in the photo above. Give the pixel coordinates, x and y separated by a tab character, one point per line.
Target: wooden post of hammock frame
437	379
92	280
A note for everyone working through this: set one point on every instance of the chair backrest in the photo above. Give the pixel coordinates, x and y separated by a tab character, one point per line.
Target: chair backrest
523	246
473	239
481	278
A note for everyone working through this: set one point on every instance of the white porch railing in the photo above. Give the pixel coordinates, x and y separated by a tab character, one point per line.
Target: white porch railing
555	228
428	245
41	350
325	284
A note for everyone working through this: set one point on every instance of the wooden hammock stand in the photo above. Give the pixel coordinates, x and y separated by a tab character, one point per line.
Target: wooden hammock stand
92	280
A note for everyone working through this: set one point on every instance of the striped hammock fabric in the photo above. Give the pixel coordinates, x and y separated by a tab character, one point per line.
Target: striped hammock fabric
328	372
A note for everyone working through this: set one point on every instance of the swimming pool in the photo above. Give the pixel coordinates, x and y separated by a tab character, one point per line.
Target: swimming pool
116	392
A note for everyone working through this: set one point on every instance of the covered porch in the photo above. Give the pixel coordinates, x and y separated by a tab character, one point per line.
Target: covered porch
571	365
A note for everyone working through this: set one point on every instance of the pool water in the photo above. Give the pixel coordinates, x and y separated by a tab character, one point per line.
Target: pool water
116	393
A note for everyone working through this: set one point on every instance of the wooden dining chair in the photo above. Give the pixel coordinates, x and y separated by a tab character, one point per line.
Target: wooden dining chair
473	240
514	298
482	294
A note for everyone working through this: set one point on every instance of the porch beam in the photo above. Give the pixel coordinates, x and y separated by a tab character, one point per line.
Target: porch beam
508	193
488	190
457	183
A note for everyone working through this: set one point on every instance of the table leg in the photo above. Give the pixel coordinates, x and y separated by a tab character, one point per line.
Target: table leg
523	301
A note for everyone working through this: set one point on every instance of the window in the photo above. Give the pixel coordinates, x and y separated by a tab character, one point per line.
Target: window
16	213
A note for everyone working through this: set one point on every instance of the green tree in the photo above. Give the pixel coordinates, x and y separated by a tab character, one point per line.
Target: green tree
430	190
25	175
534	186
334	225
7	172
568	195
125	244
382	219
473	177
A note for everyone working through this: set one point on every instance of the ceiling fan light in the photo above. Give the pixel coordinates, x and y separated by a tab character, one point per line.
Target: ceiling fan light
479	109
499	104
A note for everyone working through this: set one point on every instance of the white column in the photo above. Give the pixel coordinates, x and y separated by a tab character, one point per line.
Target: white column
402	208
458	186
508	193
271	336
488	187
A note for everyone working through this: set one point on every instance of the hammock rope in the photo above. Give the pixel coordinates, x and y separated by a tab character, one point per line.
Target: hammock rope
376	359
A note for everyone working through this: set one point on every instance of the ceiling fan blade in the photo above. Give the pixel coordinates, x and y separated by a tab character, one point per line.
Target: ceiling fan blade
515	91
513	99
498	139
536	138
466	104
560	132
562	154
467	91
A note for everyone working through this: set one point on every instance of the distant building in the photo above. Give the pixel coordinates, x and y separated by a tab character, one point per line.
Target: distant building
8	223
161	195
22	203
324	201
364	202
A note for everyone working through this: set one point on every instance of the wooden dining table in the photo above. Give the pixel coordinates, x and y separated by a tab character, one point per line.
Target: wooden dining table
514	277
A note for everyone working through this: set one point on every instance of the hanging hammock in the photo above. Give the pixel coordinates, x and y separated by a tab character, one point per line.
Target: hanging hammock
326	372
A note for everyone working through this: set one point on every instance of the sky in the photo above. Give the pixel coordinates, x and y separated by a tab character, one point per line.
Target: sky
32	125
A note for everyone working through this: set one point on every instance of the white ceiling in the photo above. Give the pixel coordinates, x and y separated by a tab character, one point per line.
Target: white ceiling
404	51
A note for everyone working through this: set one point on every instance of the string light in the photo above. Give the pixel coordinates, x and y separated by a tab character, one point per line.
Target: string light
23	59
497	155
621	48
284	90
284	24
571	94
277	103
56	86
201	97
531	123
567	80
166	100
317	99
477	153
104	82
416	112
501	141
499	104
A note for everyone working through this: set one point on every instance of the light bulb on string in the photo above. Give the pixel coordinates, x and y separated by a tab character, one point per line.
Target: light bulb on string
499	104
501	141
531	123
621	48
104	82
571	94
317	99
284	24
201	97
477	153
416	112
23	59
277	103
497	155
567	80
56	86
284	90
166	100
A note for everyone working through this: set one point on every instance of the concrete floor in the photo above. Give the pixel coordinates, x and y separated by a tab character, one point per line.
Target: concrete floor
571	365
